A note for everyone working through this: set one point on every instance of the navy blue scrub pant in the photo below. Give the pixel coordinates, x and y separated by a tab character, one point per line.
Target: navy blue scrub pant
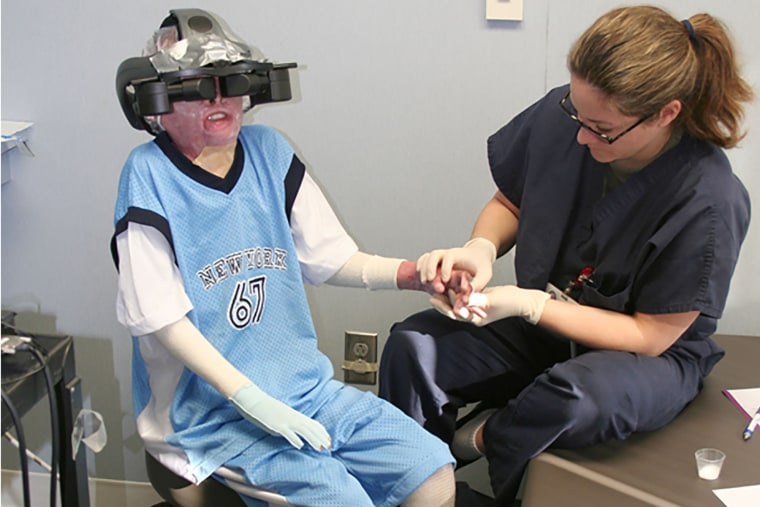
432	366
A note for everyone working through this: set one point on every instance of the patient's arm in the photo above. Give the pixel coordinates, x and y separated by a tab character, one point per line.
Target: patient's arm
186	342
376	272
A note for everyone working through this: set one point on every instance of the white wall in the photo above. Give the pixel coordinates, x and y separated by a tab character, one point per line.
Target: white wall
393	103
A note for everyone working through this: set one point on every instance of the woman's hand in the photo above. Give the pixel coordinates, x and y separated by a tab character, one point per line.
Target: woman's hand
476	257
494	303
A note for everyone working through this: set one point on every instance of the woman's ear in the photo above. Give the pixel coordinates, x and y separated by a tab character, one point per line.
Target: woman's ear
669	113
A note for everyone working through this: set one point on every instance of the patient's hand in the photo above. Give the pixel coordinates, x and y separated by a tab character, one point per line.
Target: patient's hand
408	278
458	286
279	419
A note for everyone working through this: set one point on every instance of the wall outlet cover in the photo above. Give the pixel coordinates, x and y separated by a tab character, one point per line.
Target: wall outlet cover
360	355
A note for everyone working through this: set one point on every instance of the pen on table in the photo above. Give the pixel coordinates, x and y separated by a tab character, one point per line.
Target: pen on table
752	425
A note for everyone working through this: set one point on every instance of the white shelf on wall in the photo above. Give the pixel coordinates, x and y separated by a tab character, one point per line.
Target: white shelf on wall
14	136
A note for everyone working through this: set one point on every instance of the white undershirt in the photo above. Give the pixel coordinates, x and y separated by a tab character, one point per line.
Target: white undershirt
151	294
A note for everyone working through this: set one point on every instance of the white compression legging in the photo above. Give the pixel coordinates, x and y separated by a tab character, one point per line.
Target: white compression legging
439	490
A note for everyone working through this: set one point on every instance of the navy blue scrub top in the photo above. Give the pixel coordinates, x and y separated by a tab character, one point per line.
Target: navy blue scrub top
665	241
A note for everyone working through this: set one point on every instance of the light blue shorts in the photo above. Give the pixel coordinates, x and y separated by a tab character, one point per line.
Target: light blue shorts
379	456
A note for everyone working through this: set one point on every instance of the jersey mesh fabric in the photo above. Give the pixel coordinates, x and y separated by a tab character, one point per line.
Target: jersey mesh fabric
242	274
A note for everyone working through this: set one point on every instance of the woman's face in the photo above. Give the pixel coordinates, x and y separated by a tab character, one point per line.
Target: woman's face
196	124
635	148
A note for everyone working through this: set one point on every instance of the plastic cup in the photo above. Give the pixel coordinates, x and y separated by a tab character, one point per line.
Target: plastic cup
709	463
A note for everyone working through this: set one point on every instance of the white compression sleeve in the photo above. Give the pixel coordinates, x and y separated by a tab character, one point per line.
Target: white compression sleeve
186	342
369	271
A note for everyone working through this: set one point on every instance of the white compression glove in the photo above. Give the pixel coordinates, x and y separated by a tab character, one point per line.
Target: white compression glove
279	419
476	256
496	303
186	342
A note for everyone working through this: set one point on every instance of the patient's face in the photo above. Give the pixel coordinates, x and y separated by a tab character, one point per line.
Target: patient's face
196	124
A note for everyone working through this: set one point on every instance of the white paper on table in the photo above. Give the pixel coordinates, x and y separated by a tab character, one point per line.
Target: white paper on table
746	400
743	496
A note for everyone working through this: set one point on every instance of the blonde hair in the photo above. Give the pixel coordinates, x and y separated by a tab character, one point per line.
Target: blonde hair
642	58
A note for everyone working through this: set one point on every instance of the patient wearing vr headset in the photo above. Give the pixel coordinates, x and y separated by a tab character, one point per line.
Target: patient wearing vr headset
217	226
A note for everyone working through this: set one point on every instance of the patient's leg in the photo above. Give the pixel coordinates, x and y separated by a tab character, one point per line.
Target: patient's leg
439	490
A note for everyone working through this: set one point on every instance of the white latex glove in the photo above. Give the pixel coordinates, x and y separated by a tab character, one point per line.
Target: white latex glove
279	419
186	342
476	257
496	303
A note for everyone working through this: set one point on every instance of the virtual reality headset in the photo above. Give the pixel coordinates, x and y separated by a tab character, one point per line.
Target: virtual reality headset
205	51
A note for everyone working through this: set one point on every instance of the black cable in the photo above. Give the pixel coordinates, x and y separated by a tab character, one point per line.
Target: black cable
21	448
26	374
53	418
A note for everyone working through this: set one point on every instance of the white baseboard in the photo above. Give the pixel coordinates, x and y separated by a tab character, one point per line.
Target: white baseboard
103	492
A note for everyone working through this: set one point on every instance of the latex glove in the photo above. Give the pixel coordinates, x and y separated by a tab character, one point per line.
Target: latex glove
279	419
476	257
496	303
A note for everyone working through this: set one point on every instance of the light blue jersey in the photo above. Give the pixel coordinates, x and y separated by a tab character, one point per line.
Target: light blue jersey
235	252
244	280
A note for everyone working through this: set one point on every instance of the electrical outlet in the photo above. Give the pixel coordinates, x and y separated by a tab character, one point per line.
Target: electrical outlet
360	358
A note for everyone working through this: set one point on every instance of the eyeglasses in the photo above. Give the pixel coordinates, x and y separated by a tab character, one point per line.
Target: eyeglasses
574	116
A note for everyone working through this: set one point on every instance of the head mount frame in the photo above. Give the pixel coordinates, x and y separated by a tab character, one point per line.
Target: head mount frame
187	70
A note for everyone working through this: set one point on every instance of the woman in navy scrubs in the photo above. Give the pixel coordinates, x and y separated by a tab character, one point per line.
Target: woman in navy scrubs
618	198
